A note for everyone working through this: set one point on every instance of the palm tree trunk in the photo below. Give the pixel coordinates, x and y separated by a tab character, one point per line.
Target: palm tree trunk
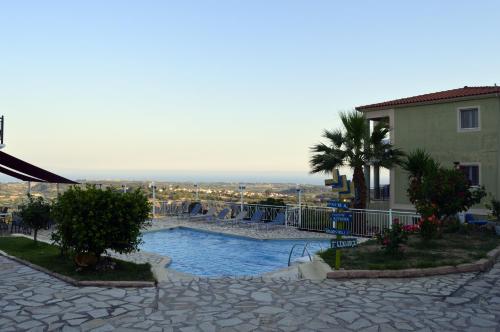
376	181
360	185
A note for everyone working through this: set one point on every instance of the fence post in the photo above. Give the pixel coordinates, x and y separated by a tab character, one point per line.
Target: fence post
390	218
286	216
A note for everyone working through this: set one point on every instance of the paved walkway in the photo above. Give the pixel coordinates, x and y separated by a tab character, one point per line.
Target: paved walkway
31	300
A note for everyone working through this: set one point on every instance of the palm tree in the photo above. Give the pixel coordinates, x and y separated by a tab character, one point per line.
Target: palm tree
419	163
355	147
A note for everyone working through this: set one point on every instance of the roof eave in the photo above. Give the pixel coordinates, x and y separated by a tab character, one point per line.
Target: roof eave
438	101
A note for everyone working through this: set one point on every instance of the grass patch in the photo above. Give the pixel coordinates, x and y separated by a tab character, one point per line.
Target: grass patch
452	249
48	256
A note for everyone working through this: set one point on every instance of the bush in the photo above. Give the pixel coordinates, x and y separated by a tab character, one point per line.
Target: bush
35	214
429	227
91	221
272	201
436	190
494	206
392	239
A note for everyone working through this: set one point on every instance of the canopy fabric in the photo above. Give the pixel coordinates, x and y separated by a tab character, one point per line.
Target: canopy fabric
28	170
18	175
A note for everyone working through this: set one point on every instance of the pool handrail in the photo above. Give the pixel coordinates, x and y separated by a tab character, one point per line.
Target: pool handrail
303	251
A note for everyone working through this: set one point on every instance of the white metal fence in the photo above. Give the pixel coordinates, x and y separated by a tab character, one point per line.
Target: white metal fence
311	218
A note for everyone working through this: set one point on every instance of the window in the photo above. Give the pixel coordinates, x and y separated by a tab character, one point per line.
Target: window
468	118
472	173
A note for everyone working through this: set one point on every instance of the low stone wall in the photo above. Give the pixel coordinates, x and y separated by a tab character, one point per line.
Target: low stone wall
74	282
478	266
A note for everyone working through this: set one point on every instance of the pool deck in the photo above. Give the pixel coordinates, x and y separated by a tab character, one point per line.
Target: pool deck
260	233
34	301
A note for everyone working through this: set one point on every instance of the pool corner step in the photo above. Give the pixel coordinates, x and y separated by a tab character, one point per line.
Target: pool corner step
315	270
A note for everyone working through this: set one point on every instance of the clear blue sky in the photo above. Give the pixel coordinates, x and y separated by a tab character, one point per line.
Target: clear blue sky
215	86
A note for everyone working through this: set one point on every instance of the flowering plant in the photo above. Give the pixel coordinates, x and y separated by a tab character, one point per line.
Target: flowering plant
411	228
429	227
392	239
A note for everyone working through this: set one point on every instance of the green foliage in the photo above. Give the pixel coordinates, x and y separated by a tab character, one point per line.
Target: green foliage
272	201
35	213
392	239
436	190
92	220
418	163
430	227
494	206
48	256
450	249
355	147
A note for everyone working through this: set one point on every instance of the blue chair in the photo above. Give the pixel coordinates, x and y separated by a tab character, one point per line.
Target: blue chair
279	220
469	218
256	218
221	216
195	211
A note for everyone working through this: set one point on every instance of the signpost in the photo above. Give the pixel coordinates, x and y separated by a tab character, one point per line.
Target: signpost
344	243
337	204
345	191
341	216
337	231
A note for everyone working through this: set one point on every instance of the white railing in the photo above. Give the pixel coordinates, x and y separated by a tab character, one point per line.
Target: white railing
312	218
371	222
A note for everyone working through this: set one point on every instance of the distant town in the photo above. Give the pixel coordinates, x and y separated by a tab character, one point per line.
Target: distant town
13	193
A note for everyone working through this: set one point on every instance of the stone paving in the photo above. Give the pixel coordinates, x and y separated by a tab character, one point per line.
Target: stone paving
33	301
253	231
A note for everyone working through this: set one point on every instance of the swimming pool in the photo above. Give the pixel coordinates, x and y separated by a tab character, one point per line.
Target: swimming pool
212	254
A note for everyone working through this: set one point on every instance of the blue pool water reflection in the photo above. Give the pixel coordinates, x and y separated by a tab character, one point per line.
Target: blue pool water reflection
212	254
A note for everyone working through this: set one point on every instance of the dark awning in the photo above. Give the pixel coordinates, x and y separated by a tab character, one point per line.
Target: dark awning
18	175
28	172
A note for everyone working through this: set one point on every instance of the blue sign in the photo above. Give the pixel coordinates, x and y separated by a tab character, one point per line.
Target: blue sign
337	204
336	231
343	216
343	243
348	191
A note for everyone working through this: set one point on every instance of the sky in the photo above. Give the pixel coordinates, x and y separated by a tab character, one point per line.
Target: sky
159	89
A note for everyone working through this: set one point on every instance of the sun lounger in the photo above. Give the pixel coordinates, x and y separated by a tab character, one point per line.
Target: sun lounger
469	218
221	216
195	211
238	218
279	220
210	213
256	218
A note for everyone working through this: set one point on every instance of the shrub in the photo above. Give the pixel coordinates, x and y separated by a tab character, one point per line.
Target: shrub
429	227
392	239
436	190
35	214
272	201
451	225
91	221
494	206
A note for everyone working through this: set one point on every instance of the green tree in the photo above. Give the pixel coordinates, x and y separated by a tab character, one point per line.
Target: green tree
91	220
437	190
272	201
355	147
35	214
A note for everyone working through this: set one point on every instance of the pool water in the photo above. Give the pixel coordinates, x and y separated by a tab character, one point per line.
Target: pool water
213	254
